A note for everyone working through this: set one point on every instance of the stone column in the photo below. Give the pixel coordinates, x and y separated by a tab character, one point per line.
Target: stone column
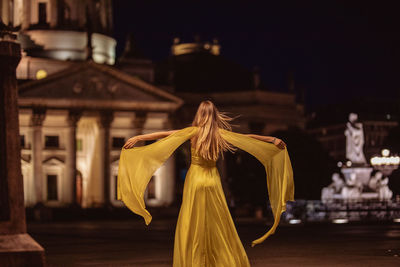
139	121
26	14
17	248
138	124
106	118
73	118
37	119
53	13
169	122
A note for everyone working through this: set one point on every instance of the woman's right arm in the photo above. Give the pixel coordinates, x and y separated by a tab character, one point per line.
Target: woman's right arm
276	141
144	137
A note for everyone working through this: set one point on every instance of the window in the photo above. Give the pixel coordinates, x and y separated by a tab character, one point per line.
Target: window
118	142
22	138
42	13
51	141
79	145
52	192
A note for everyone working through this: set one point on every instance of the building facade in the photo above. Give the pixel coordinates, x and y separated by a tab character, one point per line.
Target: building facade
78	119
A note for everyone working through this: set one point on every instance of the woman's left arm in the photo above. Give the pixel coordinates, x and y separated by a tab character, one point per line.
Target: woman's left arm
276	141
143	137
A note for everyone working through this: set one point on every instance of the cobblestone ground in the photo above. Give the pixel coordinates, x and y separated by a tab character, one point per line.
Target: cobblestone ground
131	243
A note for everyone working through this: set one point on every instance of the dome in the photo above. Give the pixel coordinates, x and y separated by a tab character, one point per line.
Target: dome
59	29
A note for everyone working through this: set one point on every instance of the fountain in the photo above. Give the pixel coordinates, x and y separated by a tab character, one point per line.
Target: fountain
360	192
358	183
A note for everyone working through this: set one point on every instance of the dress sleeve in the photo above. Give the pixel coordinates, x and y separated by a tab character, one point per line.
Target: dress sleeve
278	169
138	164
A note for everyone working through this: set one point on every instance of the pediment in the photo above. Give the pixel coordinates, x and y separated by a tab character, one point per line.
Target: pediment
52	161
94	83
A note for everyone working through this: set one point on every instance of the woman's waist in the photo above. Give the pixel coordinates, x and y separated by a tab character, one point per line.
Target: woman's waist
203	162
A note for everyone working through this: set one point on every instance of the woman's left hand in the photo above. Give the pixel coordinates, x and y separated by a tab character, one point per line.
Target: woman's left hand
131	142
279	143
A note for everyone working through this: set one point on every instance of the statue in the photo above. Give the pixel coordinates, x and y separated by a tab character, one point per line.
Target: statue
353	188
384	193
354	140
358	183
337	183
334	188
374	181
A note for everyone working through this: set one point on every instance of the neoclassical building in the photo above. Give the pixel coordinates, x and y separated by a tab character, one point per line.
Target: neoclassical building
78	103
78	119
76	110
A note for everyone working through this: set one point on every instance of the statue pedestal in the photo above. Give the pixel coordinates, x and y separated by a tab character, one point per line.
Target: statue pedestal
370	195
20	250
362	174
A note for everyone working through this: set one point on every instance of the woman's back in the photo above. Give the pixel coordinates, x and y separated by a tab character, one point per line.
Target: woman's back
196	159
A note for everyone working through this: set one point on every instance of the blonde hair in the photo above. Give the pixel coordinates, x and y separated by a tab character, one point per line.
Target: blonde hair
208	142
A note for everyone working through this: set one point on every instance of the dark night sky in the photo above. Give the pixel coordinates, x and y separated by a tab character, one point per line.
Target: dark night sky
337	51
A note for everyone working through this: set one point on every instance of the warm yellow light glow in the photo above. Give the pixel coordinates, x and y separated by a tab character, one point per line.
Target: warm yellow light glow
385	152
40	74
385	160
340	221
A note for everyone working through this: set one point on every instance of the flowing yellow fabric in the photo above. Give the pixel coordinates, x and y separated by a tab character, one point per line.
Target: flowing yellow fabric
137	165
205	232
278	171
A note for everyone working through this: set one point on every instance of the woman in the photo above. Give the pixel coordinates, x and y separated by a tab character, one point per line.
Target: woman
205	233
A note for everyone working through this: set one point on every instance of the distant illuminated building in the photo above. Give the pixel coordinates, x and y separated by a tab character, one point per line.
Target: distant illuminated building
81	117
76	111
179	48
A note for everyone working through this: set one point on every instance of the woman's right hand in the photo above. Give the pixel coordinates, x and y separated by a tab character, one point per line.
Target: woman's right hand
279	143
131	142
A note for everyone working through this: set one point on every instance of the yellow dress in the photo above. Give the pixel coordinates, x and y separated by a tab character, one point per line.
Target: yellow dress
205	234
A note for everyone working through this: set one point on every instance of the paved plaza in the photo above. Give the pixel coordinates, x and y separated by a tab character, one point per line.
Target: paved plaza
131	243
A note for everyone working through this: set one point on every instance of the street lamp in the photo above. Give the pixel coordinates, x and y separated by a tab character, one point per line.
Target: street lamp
386	163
